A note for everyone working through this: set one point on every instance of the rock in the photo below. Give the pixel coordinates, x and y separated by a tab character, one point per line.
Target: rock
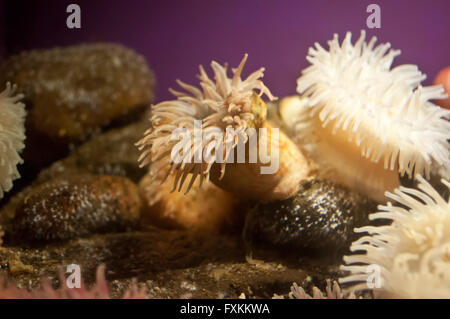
110	153
72	93
77	205
318	220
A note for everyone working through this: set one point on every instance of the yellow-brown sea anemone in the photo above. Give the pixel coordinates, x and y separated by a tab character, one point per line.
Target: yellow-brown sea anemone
12	137
369	122
411	257
228	113
208	208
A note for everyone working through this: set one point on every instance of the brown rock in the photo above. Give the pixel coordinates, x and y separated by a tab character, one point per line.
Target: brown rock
77	205
110	153
74	92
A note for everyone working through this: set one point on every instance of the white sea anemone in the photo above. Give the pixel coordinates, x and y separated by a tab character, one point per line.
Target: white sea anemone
221	104
368	121
332	291
412	254
12	137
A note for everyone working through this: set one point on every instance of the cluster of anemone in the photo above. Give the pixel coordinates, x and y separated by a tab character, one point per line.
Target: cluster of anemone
366	124
12	137
410	258
367	121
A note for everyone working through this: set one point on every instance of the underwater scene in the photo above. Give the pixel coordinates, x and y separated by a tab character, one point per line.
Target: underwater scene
246	150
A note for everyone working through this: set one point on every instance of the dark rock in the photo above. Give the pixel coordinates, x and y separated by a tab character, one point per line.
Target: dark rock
74	92
111	153
319	220
76	205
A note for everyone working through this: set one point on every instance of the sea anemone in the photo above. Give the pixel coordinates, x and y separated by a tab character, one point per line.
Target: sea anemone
225	112
369	122
99	290
209	208
12	136
409	258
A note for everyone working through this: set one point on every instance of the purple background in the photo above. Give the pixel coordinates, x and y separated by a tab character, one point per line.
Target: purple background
177	36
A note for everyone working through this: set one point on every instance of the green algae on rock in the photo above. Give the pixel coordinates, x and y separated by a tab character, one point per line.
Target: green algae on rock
74	92
319	219
74	206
